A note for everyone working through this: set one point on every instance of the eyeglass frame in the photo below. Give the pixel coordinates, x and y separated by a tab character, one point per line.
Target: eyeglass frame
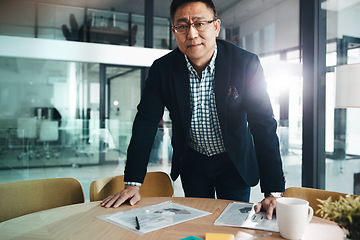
192	24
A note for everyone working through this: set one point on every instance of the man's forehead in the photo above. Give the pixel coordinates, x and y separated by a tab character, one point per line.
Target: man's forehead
187	19
192	11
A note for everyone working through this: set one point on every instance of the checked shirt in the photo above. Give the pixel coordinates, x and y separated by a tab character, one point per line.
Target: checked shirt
205	132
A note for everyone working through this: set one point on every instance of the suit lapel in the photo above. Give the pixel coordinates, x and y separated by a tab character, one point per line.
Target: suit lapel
222	79
182	90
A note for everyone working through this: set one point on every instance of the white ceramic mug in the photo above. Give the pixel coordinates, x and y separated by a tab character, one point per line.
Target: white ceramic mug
293	214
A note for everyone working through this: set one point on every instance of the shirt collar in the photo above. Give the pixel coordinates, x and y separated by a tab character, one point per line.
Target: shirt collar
210	67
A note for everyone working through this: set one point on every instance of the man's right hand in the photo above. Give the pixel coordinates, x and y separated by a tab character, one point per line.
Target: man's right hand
129	193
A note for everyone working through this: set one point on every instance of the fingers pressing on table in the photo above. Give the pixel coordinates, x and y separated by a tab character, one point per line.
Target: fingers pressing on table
129	193
268	204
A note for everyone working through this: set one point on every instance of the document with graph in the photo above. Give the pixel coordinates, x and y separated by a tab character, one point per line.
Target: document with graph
153	217
243	215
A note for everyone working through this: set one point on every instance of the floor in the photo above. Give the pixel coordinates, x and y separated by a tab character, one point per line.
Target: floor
340	174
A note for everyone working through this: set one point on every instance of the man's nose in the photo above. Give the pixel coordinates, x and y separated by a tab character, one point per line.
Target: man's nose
192	32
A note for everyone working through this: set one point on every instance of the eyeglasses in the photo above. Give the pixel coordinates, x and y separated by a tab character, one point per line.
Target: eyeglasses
199	26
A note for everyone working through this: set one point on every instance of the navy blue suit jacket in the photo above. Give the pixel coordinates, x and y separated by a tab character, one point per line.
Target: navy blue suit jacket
244	110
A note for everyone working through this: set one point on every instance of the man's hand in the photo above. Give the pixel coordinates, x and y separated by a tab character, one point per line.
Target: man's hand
268	204
129	193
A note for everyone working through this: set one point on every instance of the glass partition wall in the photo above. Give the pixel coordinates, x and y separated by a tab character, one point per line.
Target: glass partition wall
50	113
26	18
46	112
50	122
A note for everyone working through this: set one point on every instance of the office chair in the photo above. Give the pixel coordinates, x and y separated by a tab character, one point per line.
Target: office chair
24	197
156	184
311	195
26	130
49	132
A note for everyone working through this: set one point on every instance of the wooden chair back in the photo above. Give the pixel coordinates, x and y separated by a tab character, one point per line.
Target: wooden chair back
24	197
156	184
311	195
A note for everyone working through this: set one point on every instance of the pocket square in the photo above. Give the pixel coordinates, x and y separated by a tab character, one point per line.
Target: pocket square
233	93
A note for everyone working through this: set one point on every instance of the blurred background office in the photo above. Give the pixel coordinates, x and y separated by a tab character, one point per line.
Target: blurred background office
72	72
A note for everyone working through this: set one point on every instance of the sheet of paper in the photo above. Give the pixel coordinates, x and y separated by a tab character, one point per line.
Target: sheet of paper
154	217
243	215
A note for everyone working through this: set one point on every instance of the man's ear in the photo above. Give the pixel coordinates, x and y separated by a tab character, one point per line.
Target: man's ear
217	24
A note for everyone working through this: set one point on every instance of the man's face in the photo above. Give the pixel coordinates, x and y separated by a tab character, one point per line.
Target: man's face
197	45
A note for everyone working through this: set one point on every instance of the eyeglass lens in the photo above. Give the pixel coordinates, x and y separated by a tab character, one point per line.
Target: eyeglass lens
199	26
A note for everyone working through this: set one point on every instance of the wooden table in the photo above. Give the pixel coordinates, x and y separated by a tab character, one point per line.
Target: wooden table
80	222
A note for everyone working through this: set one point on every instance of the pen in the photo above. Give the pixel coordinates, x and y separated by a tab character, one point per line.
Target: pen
256	236
137	223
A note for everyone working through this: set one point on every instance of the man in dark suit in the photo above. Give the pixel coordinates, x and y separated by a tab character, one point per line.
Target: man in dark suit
224	134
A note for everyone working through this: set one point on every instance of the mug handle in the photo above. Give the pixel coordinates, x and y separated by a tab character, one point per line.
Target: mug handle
311	213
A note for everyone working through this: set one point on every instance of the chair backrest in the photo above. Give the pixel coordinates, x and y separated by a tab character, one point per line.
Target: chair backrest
156	184
26	128
24	197
311	195
49	130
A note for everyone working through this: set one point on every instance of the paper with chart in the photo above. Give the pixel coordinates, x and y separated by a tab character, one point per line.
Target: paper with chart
243	215
154	217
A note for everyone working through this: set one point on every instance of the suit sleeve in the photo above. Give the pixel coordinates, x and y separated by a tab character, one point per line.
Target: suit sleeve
150	112
263	128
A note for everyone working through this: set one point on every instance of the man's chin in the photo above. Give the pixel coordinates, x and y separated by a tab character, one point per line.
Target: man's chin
194	52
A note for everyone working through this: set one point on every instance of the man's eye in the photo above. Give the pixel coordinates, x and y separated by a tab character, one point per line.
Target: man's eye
182	27
199	24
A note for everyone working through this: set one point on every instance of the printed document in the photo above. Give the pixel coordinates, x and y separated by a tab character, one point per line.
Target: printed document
243	215
154	217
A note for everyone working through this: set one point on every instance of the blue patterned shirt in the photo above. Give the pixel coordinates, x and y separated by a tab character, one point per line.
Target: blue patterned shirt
205	132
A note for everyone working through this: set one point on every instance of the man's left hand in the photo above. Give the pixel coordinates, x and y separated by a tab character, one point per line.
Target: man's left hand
268	204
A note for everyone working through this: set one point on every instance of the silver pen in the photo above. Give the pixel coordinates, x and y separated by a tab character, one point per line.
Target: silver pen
255	237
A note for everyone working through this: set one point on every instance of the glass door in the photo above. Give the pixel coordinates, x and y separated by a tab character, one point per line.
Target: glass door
342	124
122	91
